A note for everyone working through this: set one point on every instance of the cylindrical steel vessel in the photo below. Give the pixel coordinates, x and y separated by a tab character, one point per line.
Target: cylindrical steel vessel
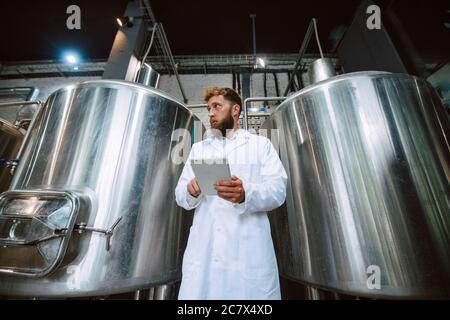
320	70
367	211
10	140
98	162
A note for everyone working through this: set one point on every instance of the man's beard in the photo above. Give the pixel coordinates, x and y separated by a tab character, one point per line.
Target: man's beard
227	124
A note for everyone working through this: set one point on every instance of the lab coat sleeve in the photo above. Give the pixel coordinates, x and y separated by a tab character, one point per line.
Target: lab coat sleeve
183	197
270	193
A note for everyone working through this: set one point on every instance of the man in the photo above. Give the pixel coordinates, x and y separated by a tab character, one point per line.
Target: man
230	253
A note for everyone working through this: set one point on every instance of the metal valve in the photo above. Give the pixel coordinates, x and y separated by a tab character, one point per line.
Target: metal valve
82	227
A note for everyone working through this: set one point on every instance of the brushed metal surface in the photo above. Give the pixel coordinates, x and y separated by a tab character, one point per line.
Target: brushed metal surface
368	161
320	70
110	141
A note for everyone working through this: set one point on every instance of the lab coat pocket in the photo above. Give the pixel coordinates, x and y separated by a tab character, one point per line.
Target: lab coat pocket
260	258
261	276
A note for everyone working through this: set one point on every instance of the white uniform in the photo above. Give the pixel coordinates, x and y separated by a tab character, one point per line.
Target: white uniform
230	254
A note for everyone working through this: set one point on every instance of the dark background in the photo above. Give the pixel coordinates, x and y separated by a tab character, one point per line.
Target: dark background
36	30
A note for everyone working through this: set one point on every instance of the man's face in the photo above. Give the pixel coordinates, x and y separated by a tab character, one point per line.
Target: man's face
220	113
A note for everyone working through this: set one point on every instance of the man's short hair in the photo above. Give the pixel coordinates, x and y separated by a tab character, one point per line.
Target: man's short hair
228	93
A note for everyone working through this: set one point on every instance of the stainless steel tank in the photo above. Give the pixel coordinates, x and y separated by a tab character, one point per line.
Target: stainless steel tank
91	209
10	141
368	205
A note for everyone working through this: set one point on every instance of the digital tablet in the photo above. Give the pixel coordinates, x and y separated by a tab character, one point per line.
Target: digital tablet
208	172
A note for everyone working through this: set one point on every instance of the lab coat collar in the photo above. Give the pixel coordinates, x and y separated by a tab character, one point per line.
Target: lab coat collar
236	135
239	138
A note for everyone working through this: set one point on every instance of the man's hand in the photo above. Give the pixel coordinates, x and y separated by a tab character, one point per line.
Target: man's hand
193	188
231	190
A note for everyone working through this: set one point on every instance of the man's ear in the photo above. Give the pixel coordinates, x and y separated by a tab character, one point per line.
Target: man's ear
236	108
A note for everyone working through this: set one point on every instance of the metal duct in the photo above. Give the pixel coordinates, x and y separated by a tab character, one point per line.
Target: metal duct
148	76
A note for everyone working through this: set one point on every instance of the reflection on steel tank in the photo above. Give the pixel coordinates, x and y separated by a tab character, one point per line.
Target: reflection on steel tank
91	210
368	210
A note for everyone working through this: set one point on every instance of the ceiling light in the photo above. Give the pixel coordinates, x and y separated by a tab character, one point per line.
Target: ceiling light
70	58
125	21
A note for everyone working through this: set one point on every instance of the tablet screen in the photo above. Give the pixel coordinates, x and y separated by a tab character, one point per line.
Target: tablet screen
208	172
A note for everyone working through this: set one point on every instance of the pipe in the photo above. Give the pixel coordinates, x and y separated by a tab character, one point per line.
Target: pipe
148	49
31	92
275	79
198	105
293	86
317	37
234	80
248	100
265	83
238	79
20	103
309	32
299	79
172	61
253	16
165	47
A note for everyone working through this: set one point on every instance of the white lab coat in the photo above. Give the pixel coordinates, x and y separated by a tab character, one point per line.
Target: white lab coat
230	253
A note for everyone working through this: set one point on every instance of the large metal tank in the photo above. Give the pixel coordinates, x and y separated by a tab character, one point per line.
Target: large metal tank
10	141
368	210
92	209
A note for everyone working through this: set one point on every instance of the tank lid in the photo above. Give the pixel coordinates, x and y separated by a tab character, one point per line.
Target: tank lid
35	230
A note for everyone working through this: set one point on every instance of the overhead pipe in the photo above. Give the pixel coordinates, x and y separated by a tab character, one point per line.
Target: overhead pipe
19	103
312	27
275	80
171	60
166	47
155	27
